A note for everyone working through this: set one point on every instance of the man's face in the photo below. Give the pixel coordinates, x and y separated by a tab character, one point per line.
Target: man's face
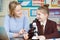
41	15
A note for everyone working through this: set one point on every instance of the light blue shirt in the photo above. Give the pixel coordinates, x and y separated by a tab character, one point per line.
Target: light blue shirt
14	25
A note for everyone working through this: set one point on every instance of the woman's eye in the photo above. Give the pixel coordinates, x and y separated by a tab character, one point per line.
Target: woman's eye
18	10
38	14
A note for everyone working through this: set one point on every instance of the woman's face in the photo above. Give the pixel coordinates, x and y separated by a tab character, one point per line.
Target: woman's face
18	11
41	16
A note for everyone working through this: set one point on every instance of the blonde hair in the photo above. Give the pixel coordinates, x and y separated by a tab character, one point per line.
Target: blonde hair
12	6
45	8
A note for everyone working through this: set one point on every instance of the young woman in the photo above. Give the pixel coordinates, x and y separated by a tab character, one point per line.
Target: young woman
16	24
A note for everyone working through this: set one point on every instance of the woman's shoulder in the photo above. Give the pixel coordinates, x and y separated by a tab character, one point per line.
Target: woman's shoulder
25	16
7	16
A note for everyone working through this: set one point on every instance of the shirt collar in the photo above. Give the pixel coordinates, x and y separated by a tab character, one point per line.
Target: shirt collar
43	23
